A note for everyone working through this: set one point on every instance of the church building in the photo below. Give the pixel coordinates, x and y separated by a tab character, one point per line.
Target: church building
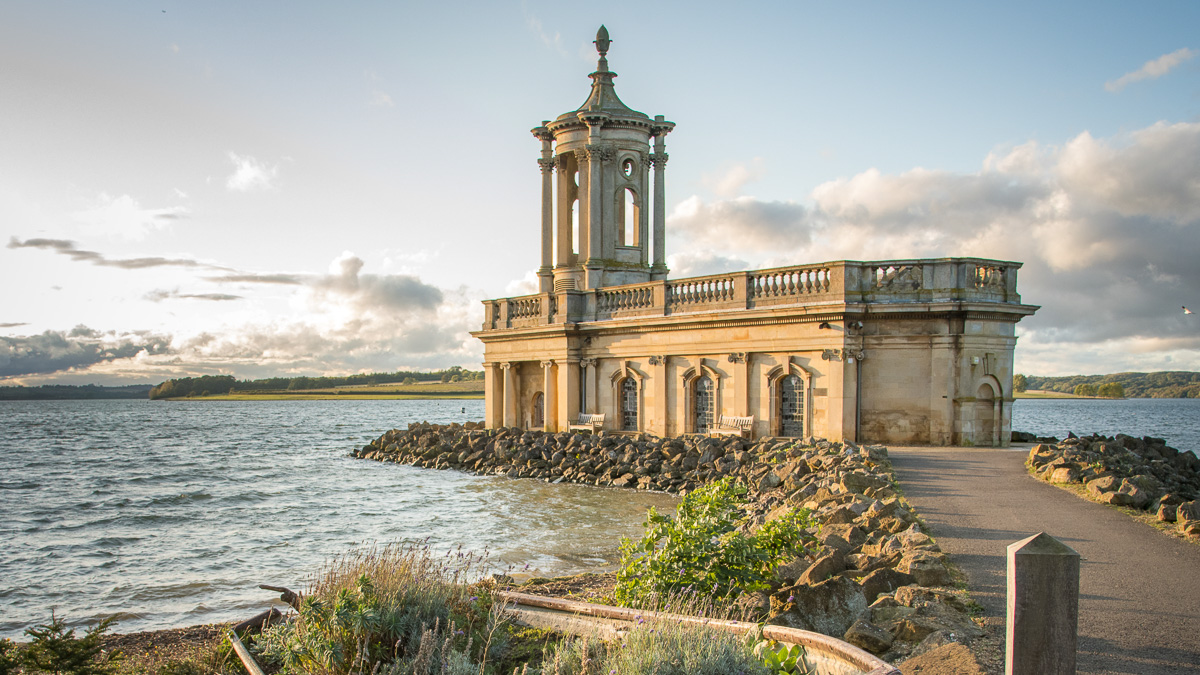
891	351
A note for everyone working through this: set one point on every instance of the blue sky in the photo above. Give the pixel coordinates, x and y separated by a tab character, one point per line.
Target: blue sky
272	188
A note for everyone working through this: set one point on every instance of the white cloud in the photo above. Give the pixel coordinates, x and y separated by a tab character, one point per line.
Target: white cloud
1151	70
380	99
554	41
1108	229
526	285
250	174
123	216
730	182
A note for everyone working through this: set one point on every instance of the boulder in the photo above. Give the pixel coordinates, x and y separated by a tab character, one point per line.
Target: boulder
829	607
1103	485
1065	474
823	568
1166	512
868	636
927	568
884	580
848	532
1187	515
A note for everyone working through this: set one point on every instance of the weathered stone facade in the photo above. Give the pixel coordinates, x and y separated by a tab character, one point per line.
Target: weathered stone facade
898	351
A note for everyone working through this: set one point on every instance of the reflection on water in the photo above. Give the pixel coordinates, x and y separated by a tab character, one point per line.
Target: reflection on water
172	513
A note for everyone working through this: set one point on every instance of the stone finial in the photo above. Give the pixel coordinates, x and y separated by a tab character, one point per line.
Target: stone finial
602	42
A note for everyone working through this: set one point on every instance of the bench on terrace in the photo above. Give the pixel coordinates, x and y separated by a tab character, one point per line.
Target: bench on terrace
586	422
729	425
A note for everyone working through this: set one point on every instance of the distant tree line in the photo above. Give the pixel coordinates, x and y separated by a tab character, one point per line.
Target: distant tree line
62	392
1166	384
211	385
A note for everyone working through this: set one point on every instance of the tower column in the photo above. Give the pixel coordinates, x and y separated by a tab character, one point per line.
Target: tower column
659	161
566	242
596	152
546	163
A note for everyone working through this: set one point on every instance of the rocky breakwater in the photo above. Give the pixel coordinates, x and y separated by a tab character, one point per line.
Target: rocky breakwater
1140	473
874	578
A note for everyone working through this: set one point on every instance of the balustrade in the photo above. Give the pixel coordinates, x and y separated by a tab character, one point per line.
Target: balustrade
989	277
884	281
789	282
896	277
622	298
700	291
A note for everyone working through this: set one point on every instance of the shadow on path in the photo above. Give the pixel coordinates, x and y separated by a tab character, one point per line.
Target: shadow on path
1139	607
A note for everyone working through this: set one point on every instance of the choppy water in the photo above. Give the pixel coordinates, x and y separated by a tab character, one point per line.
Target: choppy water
1175	419
172	513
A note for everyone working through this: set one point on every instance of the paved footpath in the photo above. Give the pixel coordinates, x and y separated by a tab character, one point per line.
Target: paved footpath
1139	589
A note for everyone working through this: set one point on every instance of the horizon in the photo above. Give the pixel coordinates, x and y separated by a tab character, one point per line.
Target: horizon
288	190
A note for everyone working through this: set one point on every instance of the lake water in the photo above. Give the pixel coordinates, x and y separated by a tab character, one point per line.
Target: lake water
1175	419
172	513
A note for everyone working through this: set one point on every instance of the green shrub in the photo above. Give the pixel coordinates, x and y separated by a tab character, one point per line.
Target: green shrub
702	550
55	649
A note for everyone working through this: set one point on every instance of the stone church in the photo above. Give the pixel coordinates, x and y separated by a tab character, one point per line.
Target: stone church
891	351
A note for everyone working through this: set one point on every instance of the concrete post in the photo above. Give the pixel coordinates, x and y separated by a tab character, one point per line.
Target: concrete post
1043	607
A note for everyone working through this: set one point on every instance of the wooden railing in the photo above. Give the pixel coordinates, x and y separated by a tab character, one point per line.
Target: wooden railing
888	281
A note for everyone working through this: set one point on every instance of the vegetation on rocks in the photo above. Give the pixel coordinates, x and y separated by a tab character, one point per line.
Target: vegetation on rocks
1140	473
701	549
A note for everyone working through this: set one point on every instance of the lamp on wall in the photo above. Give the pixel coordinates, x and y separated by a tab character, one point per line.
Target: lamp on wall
824	325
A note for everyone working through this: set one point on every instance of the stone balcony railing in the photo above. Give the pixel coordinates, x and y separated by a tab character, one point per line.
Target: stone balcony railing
889	281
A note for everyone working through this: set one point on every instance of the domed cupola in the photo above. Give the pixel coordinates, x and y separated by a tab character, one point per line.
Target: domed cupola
596	232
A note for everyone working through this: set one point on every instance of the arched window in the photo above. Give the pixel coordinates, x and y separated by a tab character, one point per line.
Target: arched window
791	406
628	217
575	227
629	404
539	410
703	404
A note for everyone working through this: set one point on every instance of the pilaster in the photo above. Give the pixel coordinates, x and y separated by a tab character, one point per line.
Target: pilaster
510	395
568	392
550	396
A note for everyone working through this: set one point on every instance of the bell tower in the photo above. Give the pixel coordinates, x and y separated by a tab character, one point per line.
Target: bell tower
599	227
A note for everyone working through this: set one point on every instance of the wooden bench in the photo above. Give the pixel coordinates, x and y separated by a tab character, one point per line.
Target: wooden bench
592	423
728	425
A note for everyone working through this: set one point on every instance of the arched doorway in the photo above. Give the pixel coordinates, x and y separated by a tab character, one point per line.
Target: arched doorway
790	406
986	422
703	404
539	411
629	404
